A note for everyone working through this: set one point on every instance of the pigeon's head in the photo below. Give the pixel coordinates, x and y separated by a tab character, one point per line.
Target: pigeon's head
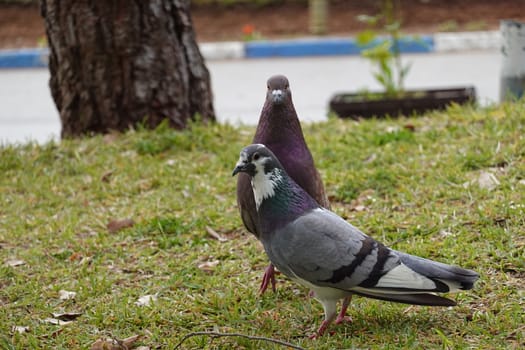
264	169
256	159
278	90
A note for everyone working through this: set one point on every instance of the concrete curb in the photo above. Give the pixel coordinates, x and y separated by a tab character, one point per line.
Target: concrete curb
439	42
447	42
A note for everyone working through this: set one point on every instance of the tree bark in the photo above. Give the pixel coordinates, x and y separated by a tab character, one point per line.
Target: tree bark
118	63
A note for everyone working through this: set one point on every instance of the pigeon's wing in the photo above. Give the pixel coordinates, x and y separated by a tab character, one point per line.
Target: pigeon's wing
246	204
323	250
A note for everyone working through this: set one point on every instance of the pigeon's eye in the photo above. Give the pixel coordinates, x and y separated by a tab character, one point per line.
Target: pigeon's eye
255	156
286	86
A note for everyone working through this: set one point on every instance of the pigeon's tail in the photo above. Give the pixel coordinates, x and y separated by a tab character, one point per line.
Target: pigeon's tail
415	280
426	299
448	278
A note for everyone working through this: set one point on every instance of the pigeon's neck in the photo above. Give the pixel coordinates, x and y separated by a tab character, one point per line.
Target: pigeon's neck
279	200
278	123
265	184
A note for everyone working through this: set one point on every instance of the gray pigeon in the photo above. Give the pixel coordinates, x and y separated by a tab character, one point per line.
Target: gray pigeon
279	129
318	249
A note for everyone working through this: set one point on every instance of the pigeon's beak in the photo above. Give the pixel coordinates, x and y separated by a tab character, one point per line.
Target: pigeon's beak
244	167
239	168
277	95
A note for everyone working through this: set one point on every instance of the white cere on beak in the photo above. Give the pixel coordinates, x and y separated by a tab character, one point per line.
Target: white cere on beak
277	92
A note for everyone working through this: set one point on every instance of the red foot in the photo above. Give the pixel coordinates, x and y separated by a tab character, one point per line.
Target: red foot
344	319
340	319
321	330
269	277
342	315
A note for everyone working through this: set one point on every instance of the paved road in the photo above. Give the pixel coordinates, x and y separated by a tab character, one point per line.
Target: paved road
27	110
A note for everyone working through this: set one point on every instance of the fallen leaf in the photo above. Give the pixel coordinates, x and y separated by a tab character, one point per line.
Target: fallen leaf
15	262
66	295
361	202
55	321
75	256
106	344
500	221
215	234
105	177
171	162
487	181
408	309
359	207
20	329
5	245
208	266
130	340
146	300
116	225
114	344
445	233
66	316
87	179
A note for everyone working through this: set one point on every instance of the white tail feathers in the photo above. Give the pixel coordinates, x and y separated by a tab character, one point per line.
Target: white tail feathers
403	277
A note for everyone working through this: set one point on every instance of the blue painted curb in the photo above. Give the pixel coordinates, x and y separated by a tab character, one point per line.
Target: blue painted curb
24	58
326	47
417	44
438	42
301	47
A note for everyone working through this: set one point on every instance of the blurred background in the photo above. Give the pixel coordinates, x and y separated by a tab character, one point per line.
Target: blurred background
29	113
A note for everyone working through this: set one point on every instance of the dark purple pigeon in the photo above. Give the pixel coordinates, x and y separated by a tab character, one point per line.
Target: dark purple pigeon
279	129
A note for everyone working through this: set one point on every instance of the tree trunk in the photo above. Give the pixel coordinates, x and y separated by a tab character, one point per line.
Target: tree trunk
118	63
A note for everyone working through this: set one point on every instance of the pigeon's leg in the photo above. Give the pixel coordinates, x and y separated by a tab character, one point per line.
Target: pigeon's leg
341	317
330	310
269	277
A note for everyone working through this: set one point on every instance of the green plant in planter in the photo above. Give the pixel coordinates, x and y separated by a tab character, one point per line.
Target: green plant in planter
385	54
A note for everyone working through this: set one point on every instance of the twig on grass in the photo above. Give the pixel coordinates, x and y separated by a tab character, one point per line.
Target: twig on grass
251	337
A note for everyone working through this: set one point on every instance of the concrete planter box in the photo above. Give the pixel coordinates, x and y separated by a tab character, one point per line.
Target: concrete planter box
355	106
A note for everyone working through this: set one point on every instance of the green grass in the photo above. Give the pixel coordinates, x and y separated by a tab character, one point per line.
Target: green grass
408	175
